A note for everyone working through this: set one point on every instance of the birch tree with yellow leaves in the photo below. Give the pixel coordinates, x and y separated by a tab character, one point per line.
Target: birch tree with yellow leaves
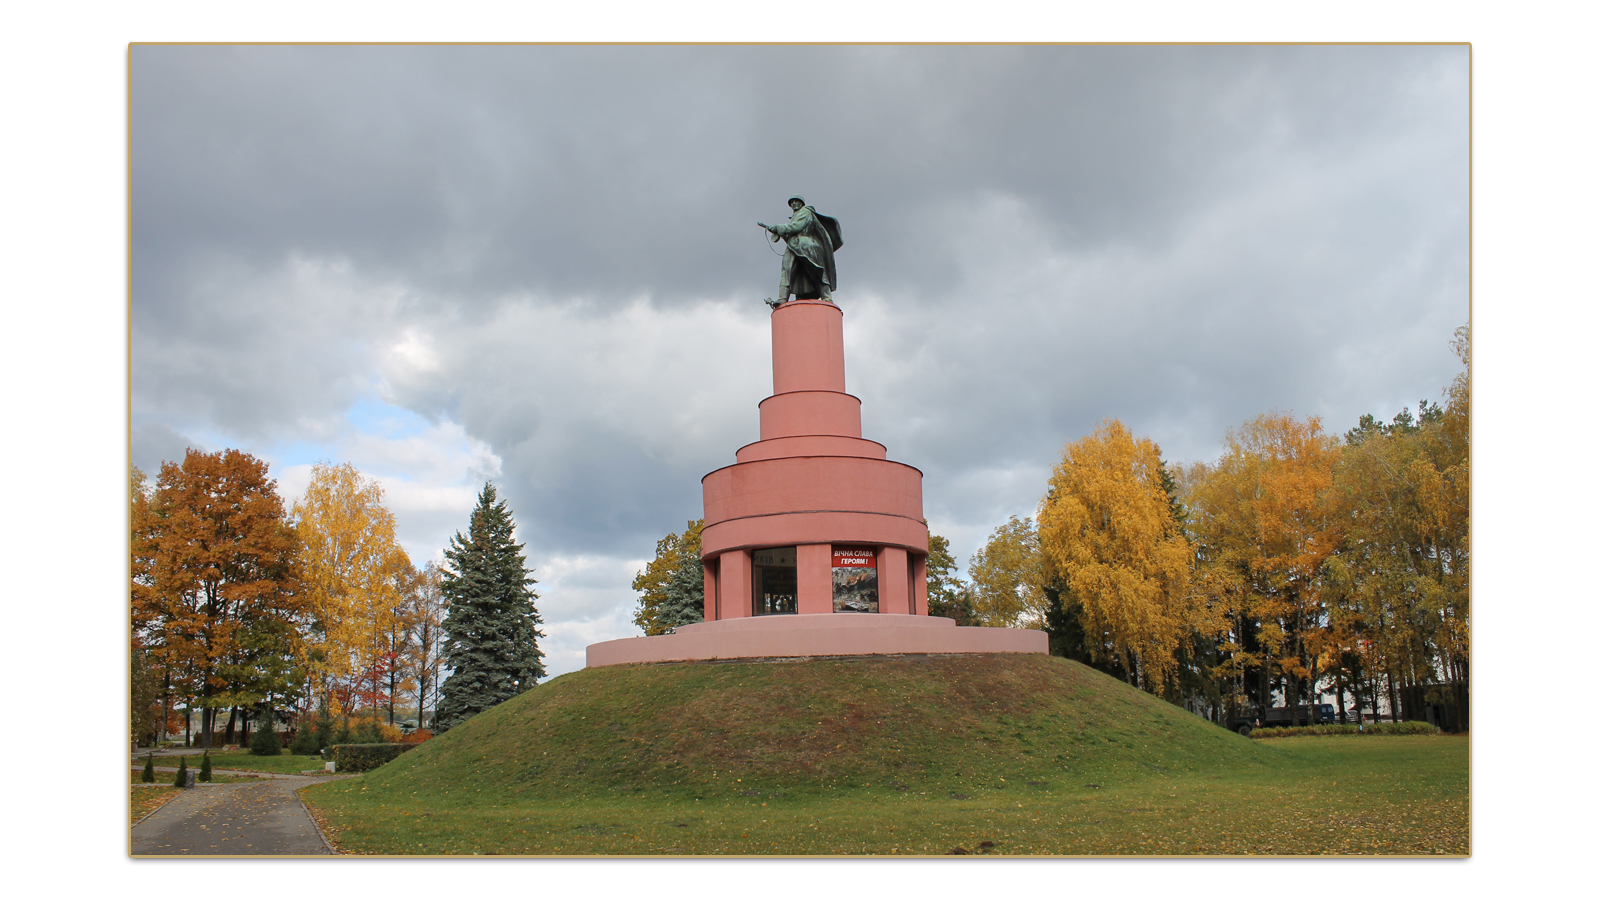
1267	519
1117	557
354	574
1008	578
1404	570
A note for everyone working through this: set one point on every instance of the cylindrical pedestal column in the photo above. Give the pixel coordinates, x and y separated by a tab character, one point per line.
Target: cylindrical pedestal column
711	570
894	589
814	572
807	347
734	594
919	585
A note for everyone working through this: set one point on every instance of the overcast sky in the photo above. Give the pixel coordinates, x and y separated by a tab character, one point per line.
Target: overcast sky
539	265
1208	189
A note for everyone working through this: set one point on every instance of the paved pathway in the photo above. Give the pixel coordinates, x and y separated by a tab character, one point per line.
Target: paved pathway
251	818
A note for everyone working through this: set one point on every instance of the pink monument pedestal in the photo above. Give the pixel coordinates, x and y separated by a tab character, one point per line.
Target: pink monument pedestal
814	542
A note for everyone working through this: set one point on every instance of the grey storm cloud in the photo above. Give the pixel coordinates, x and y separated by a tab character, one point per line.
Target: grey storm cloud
554	246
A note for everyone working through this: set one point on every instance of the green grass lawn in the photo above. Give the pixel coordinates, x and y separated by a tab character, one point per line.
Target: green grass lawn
245	761
1347	796
166	777
1018	755
146	799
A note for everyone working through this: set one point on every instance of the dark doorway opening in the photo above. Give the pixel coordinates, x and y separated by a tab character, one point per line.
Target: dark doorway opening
775	581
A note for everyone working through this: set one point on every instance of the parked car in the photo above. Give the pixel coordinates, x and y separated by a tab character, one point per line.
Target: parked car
1248	720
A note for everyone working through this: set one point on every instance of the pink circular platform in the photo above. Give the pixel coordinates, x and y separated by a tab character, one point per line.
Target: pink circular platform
830	635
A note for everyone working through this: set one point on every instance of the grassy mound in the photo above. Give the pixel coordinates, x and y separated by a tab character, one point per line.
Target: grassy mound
950	725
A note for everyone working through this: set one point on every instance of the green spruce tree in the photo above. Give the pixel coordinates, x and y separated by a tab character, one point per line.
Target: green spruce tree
265	741
324	728
305	740
181	779
491	633
684	602
205	767
149	775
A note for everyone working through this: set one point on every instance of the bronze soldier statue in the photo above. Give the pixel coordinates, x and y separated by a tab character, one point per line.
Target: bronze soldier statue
808	270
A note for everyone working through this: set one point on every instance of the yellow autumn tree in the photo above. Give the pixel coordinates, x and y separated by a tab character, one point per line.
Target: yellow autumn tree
354	574
1404	571
1008	577
1112	545
657	613
1267	519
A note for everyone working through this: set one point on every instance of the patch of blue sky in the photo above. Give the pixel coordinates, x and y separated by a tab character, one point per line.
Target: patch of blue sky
302	453
374	417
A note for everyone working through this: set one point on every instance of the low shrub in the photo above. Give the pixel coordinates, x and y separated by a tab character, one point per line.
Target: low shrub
415	737
363	757
1379	728
366	732
305	741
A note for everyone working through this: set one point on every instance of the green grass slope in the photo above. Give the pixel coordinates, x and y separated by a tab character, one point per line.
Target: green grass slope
951	726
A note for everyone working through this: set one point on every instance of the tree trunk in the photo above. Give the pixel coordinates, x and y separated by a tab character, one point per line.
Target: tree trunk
233	718
422	697
1394	705
166	704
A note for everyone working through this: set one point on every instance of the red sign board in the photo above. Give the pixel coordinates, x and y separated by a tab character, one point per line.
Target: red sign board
854	558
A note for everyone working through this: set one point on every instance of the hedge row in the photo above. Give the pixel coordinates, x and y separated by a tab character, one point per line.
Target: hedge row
1325	730
363	757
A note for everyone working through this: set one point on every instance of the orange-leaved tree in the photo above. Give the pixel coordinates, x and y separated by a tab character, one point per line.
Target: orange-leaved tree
150	682
217	583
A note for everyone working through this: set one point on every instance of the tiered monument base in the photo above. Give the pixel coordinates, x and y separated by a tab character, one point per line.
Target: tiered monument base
827	635
814	541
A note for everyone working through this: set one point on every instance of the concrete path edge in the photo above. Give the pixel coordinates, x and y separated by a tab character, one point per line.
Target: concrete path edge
332	850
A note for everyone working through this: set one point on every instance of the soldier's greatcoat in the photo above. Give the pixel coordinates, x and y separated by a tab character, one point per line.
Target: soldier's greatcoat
808	237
